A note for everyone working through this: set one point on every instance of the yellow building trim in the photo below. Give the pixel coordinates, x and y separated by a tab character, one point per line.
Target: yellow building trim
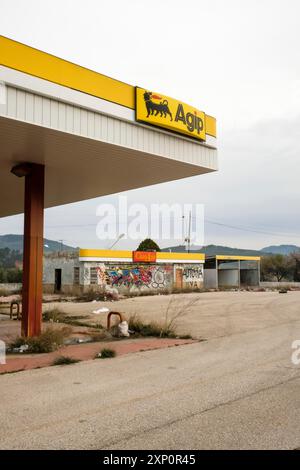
26	59
237	258
90	253
31	61
211	125
86	253
181	256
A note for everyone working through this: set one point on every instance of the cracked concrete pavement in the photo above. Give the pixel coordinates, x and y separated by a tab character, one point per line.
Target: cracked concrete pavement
236	391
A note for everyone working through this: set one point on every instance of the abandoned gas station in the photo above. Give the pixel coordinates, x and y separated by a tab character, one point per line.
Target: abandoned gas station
135	273
127	272
69	134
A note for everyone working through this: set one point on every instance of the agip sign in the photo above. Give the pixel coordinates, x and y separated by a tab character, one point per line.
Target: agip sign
163	111
144	256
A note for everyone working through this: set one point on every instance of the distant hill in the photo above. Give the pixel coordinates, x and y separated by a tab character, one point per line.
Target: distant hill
214	250
281	249
15	242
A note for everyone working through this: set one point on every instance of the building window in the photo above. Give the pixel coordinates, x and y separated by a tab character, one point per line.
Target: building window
76	276
94	276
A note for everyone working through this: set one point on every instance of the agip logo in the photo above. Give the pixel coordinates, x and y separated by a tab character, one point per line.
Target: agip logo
174	115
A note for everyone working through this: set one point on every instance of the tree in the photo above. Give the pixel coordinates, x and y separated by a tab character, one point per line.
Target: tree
279	267
148	245
296	259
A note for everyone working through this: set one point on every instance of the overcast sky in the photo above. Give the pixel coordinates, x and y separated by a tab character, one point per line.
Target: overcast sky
236	60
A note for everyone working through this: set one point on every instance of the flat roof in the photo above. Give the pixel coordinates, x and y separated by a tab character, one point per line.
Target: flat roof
234	257
81	126
126	256
29	60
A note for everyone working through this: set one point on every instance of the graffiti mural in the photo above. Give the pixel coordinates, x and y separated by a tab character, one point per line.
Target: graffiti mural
158	278
141	276
193	276
101	275
151	277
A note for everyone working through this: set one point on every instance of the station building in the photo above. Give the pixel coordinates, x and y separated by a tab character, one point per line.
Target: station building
135	273
130	273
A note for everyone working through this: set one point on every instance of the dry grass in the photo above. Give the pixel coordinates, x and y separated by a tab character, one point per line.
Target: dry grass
137	325
48	341
64	361
55	315
168	327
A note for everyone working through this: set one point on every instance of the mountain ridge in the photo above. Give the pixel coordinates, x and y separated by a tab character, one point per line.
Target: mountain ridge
211	250
15	242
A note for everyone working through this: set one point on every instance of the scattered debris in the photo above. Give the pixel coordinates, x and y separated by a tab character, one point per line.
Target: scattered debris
22	349
101	310
84	340
123	329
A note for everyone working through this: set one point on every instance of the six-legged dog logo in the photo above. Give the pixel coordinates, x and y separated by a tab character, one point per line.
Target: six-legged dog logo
153	108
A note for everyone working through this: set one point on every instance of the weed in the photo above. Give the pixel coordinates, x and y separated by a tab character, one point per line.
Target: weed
54	315
167	328
149	329
64	361
48	341
106	353
103	296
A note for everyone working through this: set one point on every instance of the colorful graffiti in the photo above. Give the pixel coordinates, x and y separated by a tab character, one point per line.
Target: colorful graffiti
101	275
193	276
144	276
152	277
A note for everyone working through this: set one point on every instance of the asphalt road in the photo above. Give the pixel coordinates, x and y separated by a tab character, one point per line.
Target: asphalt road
239	391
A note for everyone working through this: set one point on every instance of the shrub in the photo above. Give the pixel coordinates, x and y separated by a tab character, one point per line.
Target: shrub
54	315
106	353
166	329
65	361
150	329
48	341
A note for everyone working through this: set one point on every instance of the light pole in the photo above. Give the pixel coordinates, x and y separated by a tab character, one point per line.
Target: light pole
117	240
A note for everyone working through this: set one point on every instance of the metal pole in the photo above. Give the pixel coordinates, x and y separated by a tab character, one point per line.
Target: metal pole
33	247
190	226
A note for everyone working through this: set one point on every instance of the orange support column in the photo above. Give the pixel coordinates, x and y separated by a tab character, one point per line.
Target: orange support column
33	247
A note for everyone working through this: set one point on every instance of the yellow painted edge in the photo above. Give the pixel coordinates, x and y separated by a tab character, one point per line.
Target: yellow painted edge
90	253
233	257
86	253
211	126
48	67
181	256
26	59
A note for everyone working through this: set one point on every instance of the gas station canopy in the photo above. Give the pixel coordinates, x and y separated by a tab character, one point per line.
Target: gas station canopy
69	134
82	127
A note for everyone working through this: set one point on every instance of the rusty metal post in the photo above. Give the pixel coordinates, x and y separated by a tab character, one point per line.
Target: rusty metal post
109	318
33	252
33	247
